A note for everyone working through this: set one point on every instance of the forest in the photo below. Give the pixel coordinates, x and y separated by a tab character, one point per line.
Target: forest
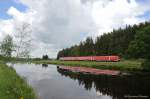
131	42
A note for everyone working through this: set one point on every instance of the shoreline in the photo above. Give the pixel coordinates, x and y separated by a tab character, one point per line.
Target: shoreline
13	86
123	66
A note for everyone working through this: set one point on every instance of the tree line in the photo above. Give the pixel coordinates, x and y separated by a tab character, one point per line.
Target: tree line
129	42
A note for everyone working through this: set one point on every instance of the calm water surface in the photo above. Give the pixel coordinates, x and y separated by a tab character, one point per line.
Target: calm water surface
52	83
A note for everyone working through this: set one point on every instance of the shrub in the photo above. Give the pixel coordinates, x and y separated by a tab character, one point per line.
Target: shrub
45	57
146	65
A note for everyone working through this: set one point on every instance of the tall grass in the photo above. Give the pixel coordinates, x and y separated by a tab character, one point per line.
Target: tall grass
12	86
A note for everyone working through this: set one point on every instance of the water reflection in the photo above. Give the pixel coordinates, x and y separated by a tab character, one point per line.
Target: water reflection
51	82
45	65
119	87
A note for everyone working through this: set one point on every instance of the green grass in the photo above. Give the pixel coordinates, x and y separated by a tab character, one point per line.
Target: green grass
124	65
12	86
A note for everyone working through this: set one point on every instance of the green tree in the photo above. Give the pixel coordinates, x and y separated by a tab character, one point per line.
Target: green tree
7	46
45	57
140	46
88	47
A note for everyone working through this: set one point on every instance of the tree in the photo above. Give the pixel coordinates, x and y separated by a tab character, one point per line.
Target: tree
7	46
23	40
45	57
89	47
140	46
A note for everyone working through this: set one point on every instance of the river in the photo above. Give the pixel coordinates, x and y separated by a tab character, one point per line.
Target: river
49	82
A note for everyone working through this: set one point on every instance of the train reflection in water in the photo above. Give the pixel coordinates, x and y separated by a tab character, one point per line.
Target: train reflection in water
119	87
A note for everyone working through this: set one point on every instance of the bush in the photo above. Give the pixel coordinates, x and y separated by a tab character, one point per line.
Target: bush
146	65
45	57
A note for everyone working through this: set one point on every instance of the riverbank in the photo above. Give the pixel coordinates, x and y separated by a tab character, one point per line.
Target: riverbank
12	86
124	65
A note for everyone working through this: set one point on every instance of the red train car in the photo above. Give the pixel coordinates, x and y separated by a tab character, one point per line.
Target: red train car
91	58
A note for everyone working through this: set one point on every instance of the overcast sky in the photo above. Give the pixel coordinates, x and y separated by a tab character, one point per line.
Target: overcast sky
58	24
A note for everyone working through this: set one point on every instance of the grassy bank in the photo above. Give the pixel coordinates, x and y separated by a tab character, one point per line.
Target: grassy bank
124	65
12	86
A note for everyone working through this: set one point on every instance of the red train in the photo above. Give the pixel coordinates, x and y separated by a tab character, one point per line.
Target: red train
92	58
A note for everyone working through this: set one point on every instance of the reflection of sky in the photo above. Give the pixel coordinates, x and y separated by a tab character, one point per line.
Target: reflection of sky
35	72
49	84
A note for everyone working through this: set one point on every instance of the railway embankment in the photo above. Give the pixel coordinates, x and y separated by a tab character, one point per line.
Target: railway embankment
124	65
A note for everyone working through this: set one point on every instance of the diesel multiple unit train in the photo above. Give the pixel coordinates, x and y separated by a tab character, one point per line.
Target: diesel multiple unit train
92	58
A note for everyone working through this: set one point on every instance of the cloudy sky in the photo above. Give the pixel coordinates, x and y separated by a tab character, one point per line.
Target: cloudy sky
58	24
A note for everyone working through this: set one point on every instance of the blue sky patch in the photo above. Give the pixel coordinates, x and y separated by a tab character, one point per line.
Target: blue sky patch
6	4
143	1
146	15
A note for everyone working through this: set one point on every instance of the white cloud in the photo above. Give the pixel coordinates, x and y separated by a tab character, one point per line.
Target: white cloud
60	23
6	27
117	13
